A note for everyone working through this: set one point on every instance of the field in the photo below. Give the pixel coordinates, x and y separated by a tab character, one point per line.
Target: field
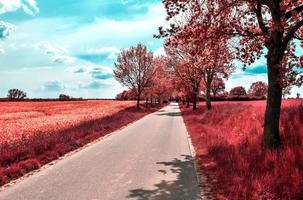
35	133
227	141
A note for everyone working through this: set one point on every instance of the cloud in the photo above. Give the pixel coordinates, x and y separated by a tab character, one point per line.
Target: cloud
51	48
5	29
99	55
160	52
30	7
80	70
62	59
54	86
101	73
94	85
58	53
110	52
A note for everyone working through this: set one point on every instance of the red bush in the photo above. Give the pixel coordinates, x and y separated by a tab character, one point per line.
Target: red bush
228	145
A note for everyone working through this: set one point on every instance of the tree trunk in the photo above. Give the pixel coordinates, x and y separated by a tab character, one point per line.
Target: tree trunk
271	138
151	101
195	96
208	100
146	103
187	102
138	102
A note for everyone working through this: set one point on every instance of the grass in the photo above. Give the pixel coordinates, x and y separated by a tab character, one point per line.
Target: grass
228	139
38	133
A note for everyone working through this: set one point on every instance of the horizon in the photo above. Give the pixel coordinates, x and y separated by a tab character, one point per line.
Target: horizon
48	48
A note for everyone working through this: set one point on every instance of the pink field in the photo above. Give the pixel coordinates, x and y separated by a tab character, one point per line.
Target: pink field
19	120
35	133
228	139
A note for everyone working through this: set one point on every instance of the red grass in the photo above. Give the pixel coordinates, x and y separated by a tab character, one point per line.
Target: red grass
36	133
228	145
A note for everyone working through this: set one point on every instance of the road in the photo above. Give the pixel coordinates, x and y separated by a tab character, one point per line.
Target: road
147	160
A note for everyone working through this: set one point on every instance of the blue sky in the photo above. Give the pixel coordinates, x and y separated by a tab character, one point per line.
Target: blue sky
49	47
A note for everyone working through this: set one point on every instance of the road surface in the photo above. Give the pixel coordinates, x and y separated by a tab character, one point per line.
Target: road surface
148	160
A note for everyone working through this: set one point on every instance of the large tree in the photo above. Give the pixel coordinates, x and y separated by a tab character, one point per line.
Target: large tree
134	69
255	25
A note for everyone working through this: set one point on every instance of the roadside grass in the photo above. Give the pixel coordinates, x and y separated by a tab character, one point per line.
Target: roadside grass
227	141
19	157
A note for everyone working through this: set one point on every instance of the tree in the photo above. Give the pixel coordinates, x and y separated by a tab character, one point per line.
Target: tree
16	94
217	64
298	95
64	97
161	86
237	91
254	26
185	63
217	86
134	69
258	89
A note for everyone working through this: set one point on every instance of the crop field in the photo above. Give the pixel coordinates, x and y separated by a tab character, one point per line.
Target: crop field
19	120
35	133
228	142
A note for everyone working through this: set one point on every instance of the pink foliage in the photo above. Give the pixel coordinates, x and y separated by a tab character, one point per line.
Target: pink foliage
228	144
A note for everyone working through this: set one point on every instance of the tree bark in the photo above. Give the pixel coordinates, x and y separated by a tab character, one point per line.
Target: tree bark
138	103
195	96
151	101
187	102
146	103
208	100
271	133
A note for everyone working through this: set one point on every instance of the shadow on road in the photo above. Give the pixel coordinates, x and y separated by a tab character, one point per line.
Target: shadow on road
171	114
183	188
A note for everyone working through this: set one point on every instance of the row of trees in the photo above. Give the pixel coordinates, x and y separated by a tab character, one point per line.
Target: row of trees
17	94
209	34
174	76
205	37
145	76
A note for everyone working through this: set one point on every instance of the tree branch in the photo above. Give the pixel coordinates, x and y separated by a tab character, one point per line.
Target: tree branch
298	9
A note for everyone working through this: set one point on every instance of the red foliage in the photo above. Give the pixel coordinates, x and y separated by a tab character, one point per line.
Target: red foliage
238	91
37	133
228	140
258	89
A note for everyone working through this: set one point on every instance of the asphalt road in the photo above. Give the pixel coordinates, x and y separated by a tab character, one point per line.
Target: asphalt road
148	160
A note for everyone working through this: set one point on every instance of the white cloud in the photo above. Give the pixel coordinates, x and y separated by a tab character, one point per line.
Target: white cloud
28	6
111	51
58	53
160	52
5	29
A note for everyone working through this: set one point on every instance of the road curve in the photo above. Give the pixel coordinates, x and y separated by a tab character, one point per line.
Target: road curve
148	160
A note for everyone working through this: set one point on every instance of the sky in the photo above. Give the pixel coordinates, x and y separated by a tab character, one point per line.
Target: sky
49	47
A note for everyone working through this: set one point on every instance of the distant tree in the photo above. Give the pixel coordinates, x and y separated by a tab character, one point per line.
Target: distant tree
134	69
64	97
258	89
16	94
126	95
161	86
238	91
298	95
217	86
